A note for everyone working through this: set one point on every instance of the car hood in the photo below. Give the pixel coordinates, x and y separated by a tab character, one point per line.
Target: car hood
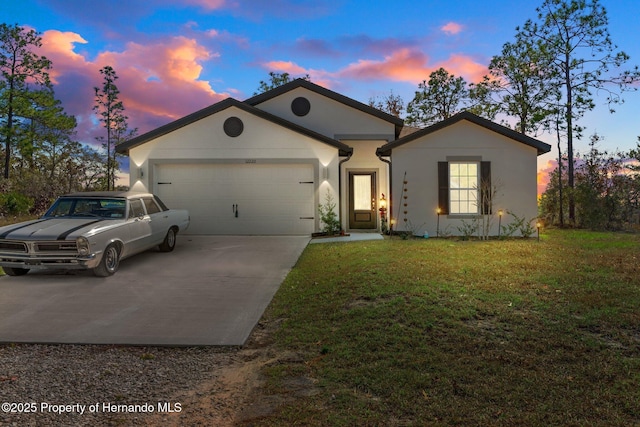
55	228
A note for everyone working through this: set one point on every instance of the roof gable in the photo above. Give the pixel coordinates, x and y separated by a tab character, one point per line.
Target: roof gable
367	109
344	149
540	146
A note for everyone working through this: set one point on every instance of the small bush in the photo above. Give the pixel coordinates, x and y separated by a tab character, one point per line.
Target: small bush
14	203
519	224
328	215
468	229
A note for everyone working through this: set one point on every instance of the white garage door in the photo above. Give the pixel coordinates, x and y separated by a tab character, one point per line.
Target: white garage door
240	198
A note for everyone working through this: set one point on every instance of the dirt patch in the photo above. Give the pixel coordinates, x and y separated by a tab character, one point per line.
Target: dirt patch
236	394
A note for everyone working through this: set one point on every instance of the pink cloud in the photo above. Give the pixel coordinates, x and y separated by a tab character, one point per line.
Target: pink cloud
208	4
452	28
158	82
544	175
465	66
410	65
319	77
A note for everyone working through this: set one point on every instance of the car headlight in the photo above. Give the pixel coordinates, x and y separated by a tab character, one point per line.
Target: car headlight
83	246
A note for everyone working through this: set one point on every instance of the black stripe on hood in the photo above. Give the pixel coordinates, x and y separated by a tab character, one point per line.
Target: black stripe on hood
6	233
66	233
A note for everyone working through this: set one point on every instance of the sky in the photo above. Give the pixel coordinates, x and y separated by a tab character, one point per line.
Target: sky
175	57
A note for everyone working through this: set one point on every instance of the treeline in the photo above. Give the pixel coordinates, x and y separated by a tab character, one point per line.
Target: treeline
606	191
40	155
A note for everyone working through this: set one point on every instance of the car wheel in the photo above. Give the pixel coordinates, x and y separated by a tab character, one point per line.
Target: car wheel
169	241
14	271
109	262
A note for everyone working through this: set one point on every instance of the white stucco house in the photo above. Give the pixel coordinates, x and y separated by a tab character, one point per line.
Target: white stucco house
263	165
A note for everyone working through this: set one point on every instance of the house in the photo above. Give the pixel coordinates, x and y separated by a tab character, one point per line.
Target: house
264	165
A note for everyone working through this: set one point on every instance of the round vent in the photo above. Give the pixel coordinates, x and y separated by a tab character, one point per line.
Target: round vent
233	126
300	106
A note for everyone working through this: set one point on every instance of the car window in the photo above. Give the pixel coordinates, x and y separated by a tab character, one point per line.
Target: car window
160	203
87	206
61	208
151	205
135	208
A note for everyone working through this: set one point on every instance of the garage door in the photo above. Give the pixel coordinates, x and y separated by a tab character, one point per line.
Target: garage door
241	198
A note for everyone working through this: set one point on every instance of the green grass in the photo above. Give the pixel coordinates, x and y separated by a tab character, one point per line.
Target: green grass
441	332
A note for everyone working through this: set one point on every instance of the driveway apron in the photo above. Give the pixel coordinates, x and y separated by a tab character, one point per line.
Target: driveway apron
211	290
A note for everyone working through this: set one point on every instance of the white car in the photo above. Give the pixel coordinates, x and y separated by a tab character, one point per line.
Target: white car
92	230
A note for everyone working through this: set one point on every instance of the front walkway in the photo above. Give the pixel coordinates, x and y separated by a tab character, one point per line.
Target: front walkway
351	237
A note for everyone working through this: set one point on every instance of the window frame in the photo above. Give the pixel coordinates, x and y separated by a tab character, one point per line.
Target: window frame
444	191
472	190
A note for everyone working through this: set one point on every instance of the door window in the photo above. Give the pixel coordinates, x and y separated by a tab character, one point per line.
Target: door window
136	209
362	192
151	205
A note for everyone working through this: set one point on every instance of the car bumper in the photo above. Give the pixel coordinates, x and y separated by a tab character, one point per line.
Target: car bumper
50	261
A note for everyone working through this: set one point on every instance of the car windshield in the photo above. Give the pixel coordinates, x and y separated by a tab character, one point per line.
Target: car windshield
87	207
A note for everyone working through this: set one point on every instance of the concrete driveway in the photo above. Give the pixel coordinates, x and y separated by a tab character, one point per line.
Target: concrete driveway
211	290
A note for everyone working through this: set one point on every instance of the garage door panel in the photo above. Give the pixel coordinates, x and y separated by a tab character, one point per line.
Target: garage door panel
270	198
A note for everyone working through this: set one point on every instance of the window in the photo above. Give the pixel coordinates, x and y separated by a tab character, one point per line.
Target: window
135	209
151	205
463	188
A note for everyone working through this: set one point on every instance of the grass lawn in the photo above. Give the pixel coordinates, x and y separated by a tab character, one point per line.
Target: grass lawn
444	332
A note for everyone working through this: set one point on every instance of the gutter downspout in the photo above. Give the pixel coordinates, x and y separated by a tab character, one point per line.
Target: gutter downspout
340	185
390	199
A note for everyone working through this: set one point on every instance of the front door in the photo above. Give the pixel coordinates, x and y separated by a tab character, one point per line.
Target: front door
362	200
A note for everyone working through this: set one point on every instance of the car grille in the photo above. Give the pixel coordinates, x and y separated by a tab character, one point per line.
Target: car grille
13	246
56	247
9	246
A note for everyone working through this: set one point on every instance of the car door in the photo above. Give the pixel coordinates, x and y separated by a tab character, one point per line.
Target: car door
159	220
139	224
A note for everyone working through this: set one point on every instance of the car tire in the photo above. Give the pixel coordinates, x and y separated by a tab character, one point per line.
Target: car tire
15	271
109	263
169	242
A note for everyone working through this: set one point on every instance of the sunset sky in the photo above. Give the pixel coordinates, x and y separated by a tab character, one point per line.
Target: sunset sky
176	57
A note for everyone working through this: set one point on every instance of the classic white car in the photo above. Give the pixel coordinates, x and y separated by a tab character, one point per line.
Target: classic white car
91	231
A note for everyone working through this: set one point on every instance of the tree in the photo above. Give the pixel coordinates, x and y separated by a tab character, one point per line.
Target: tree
20	70
575	35
275	80
438	99
606	195
526	84
111	112
391	104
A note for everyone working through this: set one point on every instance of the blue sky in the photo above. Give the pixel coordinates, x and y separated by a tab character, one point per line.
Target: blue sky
175	57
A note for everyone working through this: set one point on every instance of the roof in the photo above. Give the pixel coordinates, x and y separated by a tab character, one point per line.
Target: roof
115	194
223	105
540	146
258	99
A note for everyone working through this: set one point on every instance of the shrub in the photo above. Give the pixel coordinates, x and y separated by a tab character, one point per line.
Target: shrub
328	215
14	203
519	224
